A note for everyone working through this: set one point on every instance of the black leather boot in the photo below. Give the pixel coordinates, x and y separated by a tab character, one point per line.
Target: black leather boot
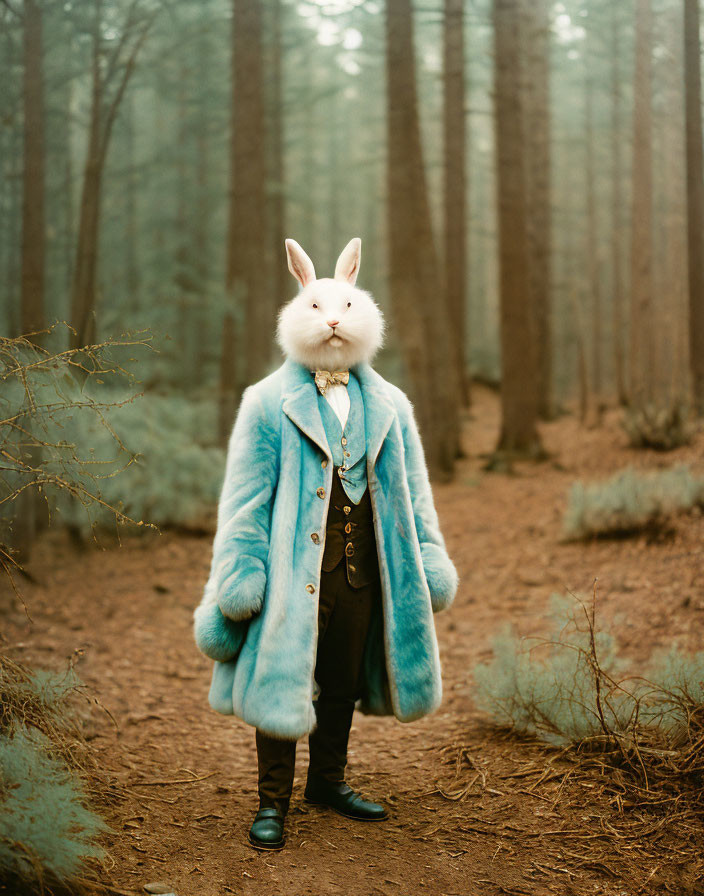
267	831
343	799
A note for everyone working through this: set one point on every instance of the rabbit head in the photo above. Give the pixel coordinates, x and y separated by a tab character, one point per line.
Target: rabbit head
330	324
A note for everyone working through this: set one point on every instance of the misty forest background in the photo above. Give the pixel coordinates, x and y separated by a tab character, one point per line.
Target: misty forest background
526	178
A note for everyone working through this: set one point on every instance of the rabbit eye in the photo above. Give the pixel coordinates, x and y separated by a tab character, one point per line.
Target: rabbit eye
314	305
349	304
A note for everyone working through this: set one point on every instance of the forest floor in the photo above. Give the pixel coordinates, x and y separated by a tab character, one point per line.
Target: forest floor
474	809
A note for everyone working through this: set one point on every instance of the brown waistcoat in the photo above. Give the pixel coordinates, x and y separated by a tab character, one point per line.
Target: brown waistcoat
349	533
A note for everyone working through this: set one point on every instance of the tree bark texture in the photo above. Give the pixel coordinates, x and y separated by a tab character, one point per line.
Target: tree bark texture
617	199
695	198
417	292
103	111
641	386
455	186
519	367
536	80
245	277
33	174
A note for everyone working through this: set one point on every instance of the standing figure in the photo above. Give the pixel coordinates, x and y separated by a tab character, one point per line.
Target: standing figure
328	560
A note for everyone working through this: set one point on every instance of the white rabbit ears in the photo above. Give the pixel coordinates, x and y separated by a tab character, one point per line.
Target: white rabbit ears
347	266
299	263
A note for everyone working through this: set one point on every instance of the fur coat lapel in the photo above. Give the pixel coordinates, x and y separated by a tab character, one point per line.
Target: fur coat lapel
300	404
258	616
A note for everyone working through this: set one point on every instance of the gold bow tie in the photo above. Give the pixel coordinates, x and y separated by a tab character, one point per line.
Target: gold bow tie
325	378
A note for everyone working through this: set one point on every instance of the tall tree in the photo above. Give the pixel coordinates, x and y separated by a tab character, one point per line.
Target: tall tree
249	315
592	250
642	350
671	313
519	356
417	296
33	179
455	185
112	64
536	82
618	287
281	276
695	197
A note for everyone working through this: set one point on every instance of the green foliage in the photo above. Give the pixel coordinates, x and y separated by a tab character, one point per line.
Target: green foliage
47	772
73	427
661	428
630	501
42	387
151	461
40	696
570	687
43	819
679	678
547	687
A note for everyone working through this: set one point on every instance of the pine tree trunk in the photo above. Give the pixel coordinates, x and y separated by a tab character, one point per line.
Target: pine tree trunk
536	43
519	369
27	509
103	110
281	278
695	198
672	330
85	267
455	187
131	215
245	278
592	253
417	295
33	180
617	199
641	387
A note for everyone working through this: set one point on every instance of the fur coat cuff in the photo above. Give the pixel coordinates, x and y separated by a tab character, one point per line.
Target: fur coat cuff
440	574
242	595
216	636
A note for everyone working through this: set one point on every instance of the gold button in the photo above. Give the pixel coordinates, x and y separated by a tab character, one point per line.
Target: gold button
323	463
344	440
310	589
320	492
348	528
347	509
349	549
315	537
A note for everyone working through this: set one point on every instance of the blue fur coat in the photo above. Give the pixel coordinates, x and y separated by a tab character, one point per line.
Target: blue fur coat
258	615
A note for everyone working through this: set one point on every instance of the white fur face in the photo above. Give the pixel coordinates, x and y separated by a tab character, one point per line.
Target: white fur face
330	324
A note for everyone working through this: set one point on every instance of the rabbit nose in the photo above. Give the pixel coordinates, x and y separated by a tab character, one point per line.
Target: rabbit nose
333	323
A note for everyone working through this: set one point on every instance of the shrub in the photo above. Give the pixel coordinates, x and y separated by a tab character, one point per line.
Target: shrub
546	686
569	689
623	756
44	823
630	502
48	774
151	461
661	428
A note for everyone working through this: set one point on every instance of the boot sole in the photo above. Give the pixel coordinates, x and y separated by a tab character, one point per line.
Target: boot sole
257	844
347	814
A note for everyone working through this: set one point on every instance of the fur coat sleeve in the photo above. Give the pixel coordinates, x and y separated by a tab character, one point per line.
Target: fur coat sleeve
440	572
237	581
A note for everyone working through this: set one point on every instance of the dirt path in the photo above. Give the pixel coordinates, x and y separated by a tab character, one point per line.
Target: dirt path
129	609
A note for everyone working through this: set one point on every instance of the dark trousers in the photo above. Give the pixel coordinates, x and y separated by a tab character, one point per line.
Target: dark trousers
343	621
